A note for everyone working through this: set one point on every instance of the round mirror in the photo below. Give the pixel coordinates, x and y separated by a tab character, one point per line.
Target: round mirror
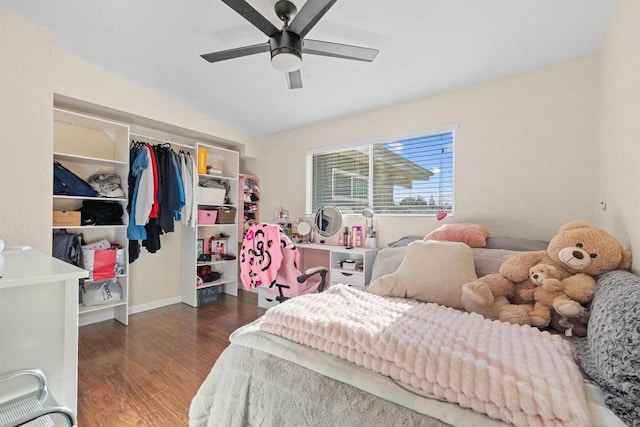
304	228
328	220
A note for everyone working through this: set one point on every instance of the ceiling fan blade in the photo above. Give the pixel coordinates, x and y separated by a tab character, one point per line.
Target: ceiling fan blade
337	50
309	16
236	53
253	16
294	79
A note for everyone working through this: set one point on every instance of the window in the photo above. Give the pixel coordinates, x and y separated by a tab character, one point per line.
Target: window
403	176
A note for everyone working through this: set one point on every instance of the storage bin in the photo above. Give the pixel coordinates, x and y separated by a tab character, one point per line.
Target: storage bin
66	218
226	215
207	216
210	196
208	295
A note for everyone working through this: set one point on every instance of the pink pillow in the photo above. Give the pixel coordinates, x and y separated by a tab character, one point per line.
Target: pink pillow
473	235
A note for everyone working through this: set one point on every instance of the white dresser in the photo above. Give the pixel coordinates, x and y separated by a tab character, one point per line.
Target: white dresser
39	319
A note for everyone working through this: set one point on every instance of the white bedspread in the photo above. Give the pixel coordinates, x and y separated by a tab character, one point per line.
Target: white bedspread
516	374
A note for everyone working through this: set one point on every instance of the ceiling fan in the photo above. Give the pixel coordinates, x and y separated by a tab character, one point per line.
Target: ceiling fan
288	44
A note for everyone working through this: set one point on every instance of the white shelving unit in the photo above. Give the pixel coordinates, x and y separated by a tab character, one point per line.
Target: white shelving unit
87	145
228	282
248	203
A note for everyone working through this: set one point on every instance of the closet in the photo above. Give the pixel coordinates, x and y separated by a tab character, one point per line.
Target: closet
85	145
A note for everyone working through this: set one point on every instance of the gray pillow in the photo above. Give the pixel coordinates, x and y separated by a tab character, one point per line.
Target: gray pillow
387	261
404	241
515	244
610	354
488	261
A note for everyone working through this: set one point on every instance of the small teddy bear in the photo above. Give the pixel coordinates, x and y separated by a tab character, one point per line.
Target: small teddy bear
547	293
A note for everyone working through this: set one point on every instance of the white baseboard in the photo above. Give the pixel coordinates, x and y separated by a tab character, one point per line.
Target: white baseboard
100	316
154	304
107	314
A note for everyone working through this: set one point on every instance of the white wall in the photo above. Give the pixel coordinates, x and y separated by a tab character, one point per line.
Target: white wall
26	137
76	78
31	71
524	160
618	148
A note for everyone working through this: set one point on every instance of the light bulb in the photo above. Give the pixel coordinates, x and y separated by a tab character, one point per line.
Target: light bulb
286	62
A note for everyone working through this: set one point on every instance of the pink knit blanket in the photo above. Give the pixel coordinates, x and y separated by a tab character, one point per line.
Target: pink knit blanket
512	373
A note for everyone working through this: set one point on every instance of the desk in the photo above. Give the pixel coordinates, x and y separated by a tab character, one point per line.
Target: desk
331	257
39	319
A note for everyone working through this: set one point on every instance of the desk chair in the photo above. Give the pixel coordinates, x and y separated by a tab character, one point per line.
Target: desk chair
270	259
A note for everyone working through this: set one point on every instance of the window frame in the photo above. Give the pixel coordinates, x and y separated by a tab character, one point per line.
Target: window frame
453	128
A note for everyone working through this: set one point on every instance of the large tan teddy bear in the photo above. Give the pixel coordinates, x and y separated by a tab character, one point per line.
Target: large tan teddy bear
548	291
578	251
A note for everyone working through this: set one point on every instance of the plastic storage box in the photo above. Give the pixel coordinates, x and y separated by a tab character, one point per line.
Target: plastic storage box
208	295
210	196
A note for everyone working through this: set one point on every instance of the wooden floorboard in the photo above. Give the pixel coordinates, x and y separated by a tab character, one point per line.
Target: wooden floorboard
146	374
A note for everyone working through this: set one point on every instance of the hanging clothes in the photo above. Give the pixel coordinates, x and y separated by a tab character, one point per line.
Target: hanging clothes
143	198
194	185
169	195
155	208
152	242
161	190
134	245
185	173
176	170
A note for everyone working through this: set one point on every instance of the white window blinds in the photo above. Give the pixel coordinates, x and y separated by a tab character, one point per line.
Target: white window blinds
410	176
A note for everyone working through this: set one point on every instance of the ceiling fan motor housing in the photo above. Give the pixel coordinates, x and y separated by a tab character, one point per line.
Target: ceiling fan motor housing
285	42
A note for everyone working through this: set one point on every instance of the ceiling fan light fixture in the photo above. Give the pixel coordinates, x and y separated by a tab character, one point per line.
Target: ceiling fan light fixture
286	59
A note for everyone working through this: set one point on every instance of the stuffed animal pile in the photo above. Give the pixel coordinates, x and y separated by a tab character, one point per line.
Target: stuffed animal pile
532	284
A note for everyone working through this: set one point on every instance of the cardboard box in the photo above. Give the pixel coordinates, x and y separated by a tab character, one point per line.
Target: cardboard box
66	218
210	196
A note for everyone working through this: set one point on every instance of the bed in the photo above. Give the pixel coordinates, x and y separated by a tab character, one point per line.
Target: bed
275	375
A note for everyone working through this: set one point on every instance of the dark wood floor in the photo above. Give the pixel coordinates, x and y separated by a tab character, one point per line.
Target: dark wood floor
145	374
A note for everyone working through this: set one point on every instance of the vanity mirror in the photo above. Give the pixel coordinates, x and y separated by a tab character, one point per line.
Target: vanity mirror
302	231
328	220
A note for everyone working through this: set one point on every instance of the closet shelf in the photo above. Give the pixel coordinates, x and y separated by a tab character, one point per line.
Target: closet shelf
207	176
89	160
218	225
91	308
221	261
217	283
108	199
93	227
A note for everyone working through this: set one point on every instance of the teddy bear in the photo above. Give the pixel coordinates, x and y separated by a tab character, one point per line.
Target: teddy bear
579	251
548	291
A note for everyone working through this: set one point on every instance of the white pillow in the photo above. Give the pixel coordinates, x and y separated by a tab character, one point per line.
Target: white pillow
431	271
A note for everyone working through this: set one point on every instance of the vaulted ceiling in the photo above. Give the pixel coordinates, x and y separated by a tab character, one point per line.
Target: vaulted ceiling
426	47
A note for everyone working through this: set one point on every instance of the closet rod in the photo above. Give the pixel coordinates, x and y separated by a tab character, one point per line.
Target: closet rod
164	141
